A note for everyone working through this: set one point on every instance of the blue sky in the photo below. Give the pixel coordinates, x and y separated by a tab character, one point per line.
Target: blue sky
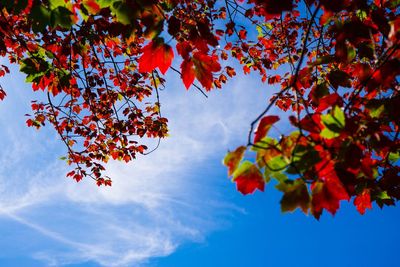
174	207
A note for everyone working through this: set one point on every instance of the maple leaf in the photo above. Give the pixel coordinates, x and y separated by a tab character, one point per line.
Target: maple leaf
156	54
248	178
205	65
233	158
188	73
328	101
264	126
363	201
323	197
328	191
295	195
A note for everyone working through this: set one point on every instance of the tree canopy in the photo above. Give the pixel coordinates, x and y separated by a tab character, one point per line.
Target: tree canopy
100	64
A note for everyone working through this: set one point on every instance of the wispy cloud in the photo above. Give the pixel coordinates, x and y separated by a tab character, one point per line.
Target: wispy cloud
155	204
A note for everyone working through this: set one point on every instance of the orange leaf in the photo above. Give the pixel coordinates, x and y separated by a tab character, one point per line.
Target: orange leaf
232	159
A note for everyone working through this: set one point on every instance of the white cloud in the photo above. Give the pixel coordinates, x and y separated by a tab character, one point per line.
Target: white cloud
155	204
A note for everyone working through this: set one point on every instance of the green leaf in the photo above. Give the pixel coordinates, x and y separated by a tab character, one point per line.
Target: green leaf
361	14
61	16
242	169
36	77
120	97
56	3
268	26
40	17
84	12
334	122
28	66
304	158
265	143
383	199
382	195
259	31
339	116
377	111
277	163
394	156
351	53
279	176
328	134
122	12
295	195
105	3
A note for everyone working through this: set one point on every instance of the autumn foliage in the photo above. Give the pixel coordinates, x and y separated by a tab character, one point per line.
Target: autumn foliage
334	66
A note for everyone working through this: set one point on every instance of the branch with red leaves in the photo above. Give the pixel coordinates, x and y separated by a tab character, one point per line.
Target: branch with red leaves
335	66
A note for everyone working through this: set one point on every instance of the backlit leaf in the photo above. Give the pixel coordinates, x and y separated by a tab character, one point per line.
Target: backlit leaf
363	201
263	127
295	195
248	178
156	54
233	158
205	65
188	73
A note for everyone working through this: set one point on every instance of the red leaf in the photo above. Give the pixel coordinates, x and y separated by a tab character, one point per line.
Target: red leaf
100	181
328	191
246	69
274	7
264	126
29	122
242	34
156	54
92	6
328	101
77	177
2	94
184	49
205	65
248	178
187	73
274	79
325	196
325	17
363	201
108	182
311	124
165	58
367	165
